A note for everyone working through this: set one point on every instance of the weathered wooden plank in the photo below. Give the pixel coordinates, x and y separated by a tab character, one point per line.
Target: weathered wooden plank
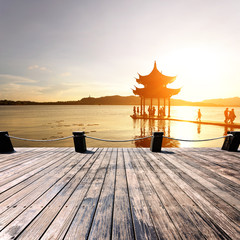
194	160
82	222
221	159
32	165
165	227
63	219
24	157
182	210
41	223
143	225
225	224
8	157
225	173
185	214
12	181
209	191
208	181
234	156
58	163
227	153
20	159
102	223
30	206
62	167
122	226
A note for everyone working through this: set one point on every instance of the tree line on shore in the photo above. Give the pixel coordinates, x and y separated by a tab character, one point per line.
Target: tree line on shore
128	100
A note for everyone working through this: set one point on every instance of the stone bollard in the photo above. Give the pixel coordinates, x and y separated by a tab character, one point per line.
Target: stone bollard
5	143
231	143
156	142
79	142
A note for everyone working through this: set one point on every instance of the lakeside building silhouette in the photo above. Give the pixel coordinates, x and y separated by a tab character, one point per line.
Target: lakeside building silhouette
155	87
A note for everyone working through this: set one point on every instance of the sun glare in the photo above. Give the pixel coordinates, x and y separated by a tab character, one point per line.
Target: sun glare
198	72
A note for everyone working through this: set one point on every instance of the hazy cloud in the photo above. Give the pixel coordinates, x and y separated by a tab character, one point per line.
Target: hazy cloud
66	74
32	67
16	91
6	78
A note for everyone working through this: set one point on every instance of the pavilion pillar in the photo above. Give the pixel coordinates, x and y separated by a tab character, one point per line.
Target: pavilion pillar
164	106
168	107
141	113
158	106
143	106
150	108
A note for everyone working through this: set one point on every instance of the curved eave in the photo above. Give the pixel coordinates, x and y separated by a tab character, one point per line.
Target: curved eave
156	93
168	79
155	77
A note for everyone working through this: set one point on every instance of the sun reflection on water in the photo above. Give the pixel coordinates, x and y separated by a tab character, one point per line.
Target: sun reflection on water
108	122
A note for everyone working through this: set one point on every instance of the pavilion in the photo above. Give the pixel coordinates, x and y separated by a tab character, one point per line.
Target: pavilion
155	87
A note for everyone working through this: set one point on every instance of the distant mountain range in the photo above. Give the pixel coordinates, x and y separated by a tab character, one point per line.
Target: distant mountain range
129	100
224	101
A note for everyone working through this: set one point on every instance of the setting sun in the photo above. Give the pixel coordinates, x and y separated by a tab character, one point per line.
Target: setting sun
199	72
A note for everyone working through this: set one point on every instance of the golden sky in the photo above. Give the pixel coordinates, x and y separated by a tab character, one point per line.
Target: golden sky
68	49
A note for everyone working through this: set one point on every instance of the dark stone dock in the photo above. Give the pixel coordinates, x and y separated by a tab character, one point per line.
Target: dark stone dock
120	193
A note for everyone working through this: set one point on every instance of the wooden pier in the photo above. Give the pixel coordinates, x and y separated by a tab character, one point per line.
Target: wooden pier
120	193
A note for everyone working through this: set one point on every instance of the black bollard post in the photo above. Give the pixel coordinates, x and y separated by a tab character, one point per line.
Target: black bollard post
231	143
156	142
5	143
79	142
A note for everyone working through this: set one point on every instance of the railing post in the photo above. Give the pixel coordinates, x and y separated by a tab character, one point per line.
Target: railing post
79	142
5	143
231	143
156	142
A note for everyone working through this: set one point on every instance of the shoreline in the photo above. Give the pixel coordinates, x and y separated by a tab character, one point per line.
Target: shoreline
127	100
53	104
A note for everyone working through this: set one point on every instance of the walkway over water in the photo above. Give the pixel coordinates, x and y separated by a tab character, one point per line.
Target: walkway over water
114	193
234	125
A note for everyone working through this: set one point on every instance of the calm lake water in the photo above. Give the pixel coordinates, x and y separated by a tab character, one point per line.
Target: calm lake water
108	122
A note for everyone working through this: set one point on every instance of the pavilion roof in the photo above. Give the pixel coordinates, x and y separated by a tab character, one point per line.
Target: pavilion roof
155	78
157	92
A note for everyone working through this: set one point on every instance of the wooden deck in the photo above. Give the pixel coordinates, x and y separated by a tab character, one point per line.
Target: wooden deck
114	193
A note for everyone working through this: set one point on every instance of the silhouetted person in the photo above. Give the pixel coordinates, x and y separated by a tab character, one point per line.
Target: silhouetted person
134	111
199	115
226	114
232	116
161	112
149	111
